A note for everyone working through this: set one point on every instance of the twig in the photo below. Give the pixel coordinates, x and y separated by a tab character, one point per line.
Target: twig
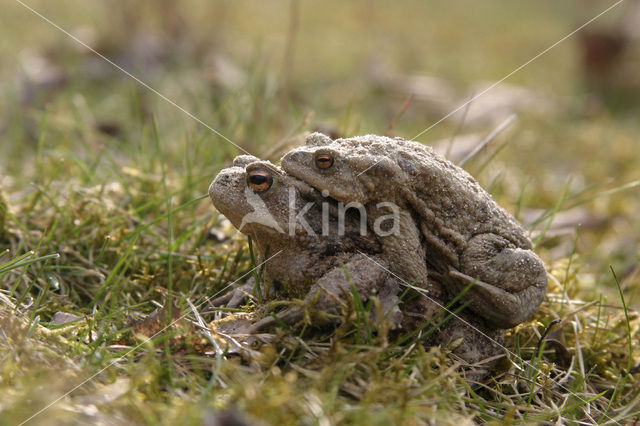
403	108
289	51
501	127
458	129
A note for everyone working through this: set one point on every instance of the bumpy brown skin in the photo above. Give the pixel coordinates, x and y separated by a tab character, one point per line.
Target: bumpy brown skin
311	267
476	342
303	266
466	237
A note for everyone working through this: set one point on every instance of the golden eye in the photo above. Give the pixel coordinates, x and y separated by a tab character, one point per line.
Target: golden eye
259	180
324	161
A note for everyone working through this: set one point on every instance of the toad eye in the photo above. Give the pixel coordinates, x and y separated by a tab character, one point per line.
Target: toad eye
259	180
324	161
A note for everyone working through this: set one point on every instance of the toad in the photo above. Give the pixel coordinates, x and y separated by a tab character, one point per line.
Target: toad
311	253
306	255
450	229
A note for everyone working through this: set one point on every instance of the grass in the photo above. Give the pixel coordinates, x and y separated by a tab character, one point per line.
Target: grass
104	217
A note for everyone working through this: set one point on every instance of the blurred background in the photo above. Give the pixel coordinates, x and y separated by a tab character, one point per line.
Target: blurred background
262	73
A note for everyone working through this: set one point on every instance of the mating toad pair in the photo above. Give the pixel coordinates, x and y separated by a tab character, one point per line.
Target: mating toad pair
382	216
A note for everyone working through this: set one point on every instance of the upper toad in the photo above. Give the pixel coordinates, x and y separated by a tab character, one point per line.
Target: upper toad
448	222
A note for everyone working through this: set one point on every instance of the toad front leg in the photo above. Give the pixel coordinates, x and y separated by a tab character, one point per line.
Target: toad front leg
402	246
328	295
509	283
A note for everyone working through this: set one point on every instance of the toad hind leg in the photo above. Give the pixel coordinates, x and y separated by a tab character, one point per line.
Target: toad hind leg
509	283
